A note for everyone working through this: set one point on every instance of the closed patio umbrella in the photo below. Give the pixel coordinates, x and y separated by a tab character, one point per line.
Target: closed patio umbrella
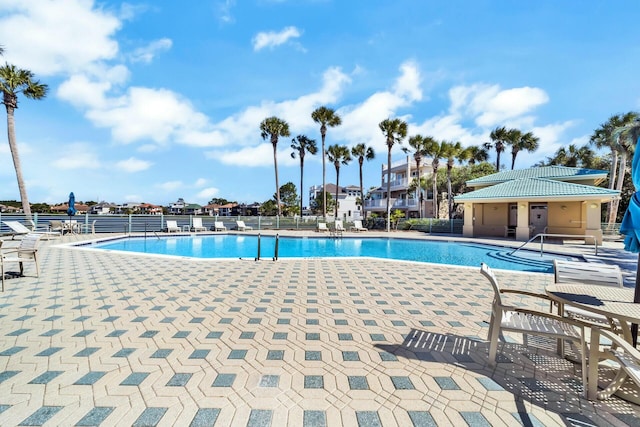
630	227
71	210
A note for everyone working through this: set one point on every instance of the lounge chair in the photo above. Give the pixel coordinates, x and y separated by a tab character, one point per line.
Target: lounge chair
627	356
219	226
338	225
530	322
357	226
25	252
322	226
196	225
19	229
240	225
172	226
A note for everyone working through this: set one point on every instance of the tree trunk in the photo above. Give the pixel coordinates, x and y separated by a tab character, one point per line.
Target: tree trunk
612	179
323	134
301	187
388	190
13	146
435	191
361	161
513	159
337	181
275	162
613	214
449	191
419	188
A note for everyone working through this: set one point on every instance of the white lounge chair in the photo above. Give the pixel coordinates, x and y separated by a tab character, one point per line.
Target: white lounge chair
322	226
219	226
339	226
196	225
629	359
530	322
172	226
357	226
21	230
25	252
240	225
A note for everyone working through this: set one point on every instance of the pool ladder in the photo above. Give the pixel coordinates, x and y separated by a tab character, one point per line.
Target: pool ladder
275	254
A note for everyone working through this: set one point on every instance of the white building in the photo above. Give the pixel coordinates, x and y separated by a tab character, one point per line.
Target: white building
348	198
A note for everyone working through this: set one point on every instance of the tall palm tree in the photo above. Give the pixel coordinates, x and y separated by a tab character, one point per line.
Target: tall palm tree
338	154
362	153
301	144
394	130
12	82
272	128
326	117
626	137
521	142
477	154
452	151
436	150
499	137
419	144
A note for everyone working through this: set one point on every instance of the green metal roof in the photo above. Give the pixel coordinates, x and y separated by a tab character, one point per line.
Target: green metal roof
551	172
536	188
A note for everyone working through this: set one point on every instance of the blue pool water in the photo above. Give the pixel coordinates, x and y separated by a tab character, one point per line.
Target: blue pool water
234	246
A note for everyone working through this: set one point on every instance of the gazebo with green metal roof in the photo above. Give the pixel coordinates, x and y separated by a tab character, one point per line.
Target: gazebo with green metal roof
522	203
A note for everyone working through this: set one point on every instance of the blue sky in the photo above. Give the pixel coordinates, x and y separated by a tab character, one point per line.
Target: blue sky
152	101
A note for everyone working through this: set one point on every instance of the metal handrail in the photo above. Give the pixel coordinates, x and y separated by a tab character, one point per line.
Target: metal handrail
543	235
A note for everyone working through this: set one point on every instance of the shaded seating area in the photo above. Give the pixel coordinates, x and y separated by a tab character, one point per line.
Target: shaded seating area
528	321
25	252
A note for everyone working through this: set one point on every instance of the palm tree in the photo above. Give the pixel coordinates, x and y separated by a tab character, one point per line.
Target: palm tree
521	141
362	153
477	154
436	151
626	137
301	144
572	156
326	117
499	137
394	130
419	144
452	151
273	128
338	154
12	82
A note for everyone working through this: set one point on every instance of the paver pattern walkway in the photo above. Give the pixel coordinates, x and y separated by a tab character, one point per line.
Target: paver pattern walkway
111	339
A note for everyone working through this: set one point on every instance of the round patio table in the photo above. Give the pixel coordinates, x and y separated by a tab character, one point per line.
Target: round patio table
611	302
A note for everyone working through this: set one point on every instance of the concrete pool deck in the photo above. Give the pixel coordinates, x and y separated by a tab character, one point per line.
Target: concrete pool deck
112	339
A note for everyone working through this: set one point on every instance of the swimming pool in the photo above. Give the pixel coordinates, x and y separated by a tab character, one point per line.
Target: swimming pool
246	247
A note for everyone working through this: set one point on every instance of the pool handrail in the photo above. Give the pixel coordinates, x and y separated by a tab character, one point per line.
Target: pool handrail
543	235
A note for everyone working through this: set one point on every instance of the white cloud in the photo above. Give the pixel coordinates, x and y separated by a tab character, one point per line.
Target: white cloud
76	156
200	182
37	34
133	165
170	185
207	194
224	8
147	53
272	39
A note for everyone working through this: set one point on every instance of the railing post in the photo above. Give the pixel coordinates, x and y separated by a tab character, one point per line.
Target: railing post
541	244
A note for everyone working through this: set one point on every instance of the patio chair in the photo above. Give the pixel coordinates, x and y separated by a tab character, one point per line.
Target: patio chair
56	226
240	225
219	226
196	225
88	227
21	230
588	273
25	252
627	356
322	226
172	226
530	322
357	226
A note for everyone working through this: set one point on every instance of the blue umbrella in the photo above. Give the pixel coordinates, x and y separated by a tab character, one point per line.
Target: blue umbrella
71	211
630	227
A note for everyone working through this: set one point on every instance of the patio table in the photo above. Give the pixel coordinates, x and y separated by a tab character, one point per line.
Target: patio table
611	302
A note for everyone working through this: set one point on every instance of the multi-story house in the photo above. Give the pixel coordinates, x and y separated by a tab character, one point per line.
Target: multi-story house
403	173
348	198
